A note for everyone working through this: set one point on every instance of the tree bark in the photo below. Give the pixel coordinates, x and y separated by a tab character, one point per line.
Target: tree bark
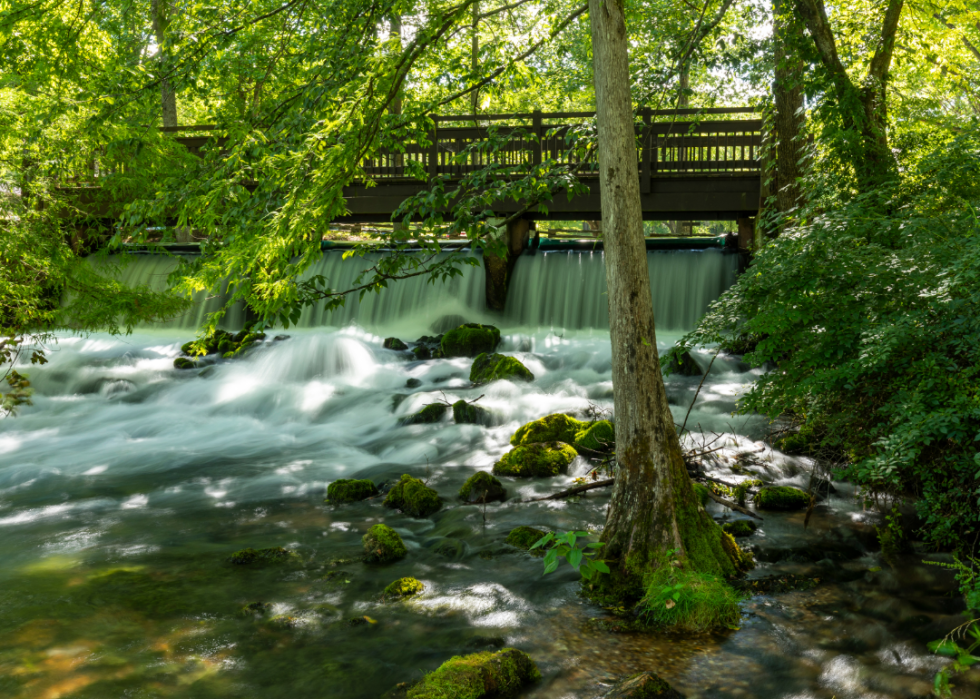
168	98
863	108
475	56
395	32
653	507
788	98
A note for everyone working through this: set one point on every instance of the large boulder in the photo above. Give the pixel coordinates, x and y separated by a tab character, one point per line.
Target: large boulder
498	367
596	438
644	685
781	497
471	414
482	487
383	545
350	490
413	497
550	428
431	413
470	340
535	460
478	676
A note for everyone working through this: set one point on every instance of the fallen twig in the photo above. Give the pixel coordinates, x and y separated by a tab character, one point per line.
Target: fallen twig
574	491
732	506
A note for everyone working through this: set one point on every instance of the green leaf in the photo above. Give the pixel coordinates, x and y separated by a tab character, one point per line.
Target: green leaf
944	647
600	566
574	558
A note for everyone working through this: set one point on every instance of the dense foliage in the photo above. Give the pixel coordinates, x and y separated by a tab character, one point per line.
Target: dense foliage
868	312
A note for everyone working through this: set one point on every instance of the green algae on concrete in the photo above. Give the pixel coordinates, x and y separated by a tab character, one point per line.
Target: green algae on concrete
469	340
482	487
478	676
535	460
498	367
403	587
413	497
383	545
550	428
350	490
781	497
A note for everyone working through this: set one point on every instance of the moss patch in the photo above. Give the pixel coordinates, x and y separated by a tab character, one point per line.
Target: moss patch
742	559
678	362
525	537
382	544
433	412
276	554
500	674
413	497
740	528
498	367
482	487
350	490
393	343
550	428
469	340
403	587
184	363
535	460
701	492
683	599
596	437
470	414
781	497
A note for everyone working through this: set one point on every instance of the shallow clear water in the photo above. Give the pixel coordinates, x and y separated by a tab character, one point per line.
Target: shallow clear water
126	487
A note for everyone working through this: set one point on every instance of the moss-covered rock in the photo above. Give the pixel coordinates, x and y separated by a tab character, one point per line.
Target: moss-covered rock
350	490
535	460
597	437
413	497
681	363
524	538
223	343
403	587
498	367
383	545
550	428
184	363
470	414
478	676
644	685
482	487
740	528
393	343
781	497
469	340
431	413
276	554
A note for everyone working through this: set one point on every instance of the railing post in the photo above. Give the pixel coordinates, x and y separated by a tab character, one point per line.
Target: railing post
645	155
536	127
433	149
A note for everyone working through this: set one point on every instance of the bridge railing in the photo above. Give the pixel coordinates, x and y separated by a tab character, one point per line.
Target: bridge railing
680	142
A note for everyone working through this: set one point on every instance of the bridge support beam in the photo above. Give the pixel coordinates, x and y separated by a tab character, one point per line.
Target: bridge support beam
499	268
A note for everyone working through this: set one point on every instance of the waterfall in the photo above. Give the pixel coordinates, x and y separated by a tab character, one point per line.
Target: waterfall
549	289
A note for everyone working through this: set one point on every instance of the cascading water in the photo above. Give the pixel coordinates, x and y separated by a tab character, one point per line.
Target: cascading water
126	487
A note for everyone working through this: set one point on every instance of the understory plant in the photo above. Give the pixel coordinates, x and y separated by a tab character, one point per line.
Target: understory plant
566	546
867	311
960	643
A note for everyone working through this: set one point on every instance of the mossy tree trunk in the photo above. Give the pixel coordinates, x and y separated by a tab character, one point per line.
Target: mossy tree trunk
787	91
653	507
168	97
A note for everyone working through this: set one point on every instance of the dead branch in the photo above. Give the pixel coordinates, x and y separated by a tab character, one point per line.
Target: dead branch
574	491
732	506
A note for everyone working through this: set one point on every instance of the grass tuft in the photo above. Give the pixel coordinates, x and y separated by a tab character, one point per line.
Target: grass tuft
686	600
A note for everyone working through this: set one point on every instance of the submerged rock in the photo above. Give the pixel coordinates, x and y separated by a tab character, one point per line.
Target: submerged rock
413	383
645	685
433	412
403	587
470	340
498	367
276	554
682	363
184	363
478	676
383	545
350	490
781	497
453	549
599	437
482	487
550	428
413	497
524	538
428	347
393	343
470	414
535	460
740	528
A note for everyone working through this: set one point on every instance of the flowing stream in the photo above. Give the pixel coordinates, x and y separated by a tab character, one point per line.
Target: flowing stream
128	484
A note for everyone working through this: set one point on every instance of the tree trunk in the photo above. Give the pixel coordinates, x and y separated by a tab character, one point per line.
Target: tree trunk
168	97
395	32
653	507
788	98
475	57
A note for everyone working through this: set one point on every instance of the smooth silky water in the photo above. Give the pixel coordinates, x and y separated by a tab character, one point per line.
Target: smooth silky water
128	484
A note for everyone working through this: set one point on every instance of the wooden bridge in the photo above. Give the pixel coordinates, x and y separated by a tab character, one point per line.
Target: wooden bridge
701	164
